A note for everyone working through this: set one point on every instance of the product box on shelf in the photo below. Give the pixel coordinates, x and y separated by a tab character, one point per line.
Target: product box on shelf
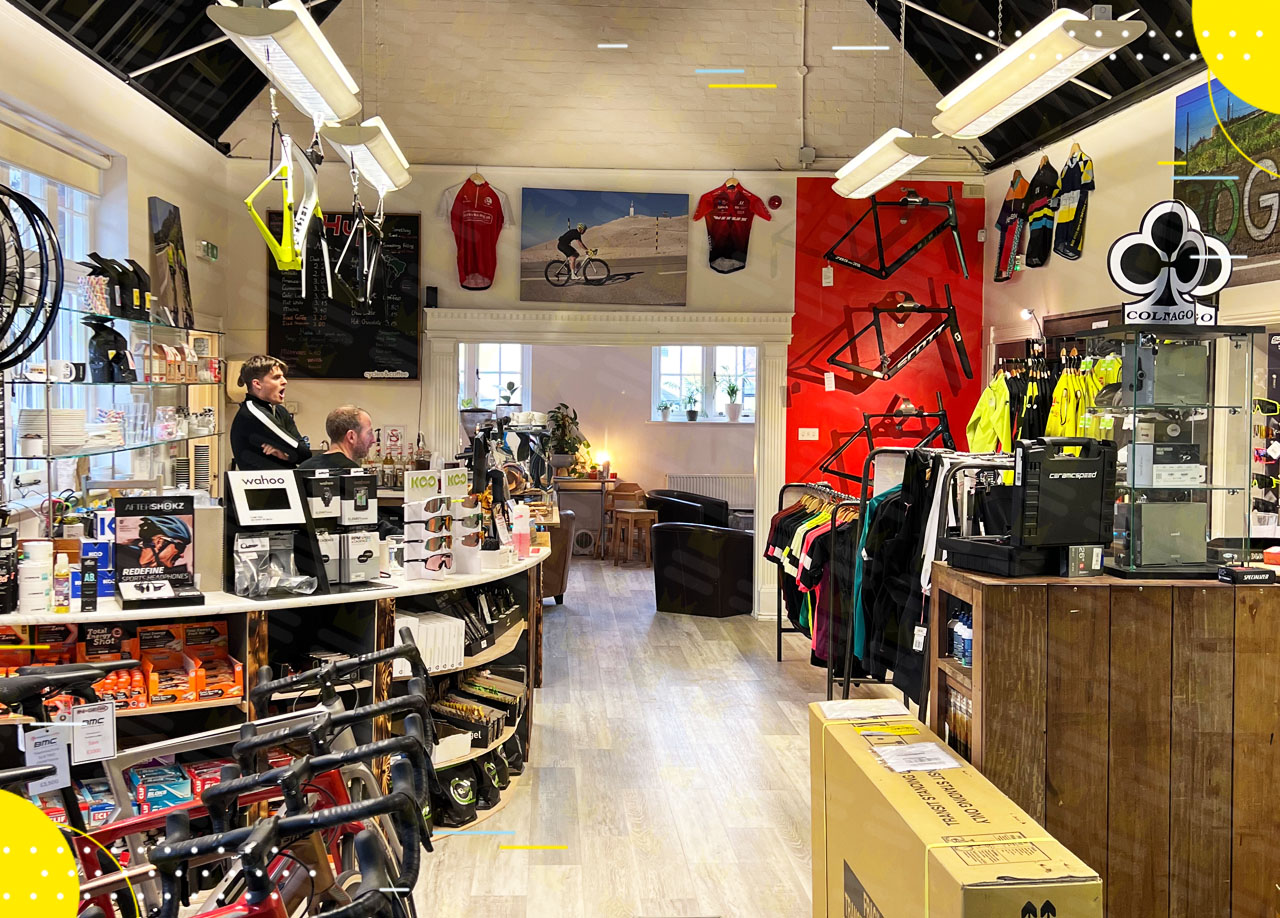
99	643
56	643
360	561
330	554
157	787
220	675
400	666
51	805
96	802
949	844
171	677
205	774
11	635
451	743
324	494
483	722
99	550
359	499
442	639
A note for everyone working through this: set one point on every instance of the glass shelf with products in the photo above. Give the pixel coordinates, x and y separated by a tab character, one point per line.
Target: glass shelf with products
163	326
107	450
1181	414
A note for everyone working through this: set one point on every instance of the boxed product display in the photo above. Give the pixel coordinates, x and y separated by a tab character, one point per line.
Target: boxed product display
171	677
330	554
154	551
483	722
54	643
323	492
496	691
157	787
442	640
96	802
220	674
205	774
451	743
359	557
359	499
948	844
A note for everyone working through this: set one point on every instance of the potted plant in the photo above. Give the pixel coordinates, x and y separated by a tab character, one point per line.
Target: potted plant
732	388
691	402
665	408
472	417
506	407
565	437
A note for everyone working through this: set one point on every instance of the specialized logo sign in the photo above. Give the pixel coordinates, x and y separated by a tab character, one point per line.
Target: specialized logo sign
462	790
1170	264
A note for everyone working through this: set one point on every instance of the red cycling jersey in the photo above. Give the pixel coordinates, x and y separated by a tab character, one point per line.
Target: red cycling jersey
477	214
729	213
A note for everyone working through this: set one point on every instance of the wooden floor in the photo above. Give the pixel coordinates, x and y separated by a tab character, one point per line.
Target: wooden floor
671	758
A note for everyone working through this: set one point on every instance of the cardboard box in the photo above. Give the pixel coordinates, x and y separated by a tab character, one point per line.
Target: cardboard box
938	843
330	553
220	674
359	505
360	562
171	677
157	787
204	775
96	802
324	495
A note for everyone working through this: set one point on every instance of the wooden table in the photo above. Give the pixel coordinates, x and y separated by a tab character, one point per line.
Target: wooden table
1137	720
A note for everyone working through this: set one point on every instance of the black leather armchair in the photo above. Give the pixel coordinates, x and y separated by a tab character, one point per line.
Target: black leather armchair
702	570
674	507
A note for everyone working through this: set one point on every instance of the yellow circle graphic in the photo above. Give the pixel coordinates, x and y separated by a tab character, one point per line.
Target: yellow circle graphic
37	870
1240	41
1227	135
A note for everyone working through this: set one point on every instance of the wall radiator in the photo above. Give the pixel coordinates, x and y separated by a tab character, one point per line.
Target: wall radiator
738	490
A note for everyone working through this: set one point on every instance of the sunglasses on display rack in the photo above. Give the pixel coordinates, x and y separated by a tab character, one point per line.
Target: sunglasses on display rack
470	502
438	523
470	521
435	562
1267	407
1261	455
436	504
1266	481
438	543
471	539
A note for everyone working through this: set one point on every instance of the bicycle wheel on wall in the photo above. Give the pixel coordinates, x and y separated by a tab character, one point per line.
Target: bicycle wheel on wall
595	272
557	273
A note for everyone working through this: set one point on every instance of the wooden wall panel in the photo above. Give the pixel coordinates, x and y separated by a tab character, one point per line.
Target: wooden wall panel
1255	860
1138	784
1013	692
1077	721
1200	763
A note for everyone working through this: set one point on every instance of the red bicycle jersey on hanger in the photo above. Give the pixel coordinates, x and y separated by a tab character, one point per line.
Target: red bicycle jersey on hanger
477	214
729	213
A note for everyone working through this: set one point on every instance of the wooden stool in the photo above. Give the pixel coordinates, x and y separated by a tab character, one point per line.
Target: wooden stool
632	527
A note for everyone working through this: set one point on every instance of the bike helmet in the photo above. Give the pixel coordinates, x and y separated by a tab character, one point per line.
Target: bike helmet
167	526
582	227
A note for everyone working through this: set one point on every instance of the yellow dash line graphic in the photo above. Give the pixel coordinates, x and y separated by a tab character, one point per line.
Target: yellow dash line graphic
1171	162
742	86
27	646
533	847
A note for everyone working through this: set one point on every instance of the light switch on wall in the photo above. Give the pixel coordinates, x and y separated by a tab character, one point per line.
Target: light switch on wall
808	433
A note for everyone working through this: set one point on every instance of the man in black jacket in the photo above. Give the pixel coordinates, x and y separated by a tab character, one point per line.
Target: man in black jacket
263	434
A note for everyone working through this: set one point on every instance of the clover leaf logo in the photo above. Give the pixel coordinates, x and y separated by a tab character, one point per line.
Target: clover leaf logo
1169	263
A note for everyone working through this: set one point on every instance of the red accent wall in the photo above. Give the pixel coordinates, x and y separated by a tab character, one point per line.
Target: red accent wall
826	317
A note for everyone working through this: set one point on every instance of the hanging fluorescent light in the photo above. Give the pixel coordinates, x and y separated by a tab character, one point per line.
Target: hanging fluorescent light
372	151
287	45
1044	58
893	154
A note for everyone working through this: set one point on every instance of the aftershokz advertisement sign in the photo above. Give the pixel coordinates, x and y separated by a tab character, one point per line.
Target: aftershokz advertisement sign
1171	265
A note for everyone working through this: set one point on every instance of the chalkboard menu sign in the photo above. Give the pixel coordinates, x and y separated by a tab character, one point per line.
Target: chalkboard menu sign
323	338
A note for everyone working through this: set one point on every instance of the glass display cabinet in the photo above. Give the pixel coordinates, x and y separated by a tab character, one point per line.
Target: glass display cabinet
1181	414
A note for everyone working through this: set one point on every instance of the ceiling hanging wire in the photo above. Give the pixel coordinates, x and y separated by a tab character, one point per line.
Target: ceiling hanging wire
1000	21
902	66
875	68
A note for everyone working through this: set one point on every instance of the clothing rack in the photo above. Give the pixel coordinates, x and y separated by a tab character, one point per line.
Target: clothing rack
825	490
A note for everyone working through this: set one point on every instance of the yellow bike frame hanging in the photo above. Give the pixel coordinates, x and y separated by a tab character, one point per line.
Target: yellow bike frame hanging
289	251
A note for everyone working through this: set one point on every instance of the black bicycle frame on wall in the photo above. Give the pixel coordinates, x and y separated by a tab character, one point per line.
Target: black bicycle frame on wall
940	430
910	200
888	367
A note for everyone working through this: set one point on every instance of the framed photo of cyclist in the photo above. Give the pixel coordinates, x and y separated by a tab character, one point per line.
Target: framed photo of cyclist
604	248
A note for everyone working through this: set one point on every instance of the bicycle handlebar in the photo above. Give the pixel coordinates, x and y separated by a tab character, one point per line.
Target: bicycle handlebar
325	675
103	668
12	777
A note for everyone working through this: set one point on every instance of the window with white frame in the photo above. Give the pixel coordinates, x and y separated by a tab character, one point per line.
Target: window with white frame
485	370
706	374
72	213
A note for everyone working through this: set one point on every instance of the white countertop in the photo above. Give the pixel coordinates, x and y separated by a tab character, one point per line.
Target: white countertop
216	603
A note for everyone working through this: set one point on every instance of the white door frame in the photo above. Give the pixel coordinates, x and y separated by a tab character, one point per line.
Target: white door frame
768	332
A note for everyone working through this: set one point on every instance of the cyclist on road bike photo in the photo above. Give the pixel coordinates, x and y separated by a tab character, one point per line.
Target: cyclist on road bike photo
566	246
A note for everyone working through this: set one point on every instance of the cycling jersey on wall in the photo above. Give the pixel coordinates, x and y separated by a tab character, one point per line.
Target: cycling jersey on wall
1040	209
729	212
477	214
1012	218
1073	205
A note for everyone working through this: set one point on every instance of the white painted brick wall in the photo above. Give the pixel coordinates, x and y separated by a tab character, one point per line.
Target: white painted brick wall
520	83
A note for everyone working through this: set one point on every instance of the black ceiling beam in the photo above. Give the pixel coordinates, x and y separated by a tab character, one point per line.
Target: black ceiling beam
176	44
134	47
121	19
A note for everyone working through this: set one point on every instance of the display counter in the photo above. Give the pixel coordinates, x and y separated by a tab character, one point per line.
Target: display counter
1136	720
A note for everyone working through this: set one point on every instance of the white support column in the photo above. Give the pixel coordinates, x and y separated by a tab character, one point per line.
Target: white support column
440	426
771	464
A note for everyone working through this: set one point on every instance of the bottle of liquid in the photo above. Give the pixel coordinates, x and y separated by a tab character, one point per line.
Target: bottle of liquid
373	462
387	478
62	585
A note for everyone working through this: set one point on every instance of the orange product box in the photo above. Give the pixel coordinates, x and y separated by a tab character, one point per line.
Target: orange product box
61	642
10	635
168	676
221	675
100	643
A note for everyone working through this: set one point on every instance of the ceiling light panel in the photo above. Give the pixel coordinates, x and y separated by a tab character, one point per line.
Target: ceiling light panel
372	151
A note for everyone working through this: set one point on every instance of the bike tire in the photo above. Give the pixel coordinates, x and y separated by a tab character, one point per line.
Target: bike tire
595	272
29	282
557	272
12	269
47	291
